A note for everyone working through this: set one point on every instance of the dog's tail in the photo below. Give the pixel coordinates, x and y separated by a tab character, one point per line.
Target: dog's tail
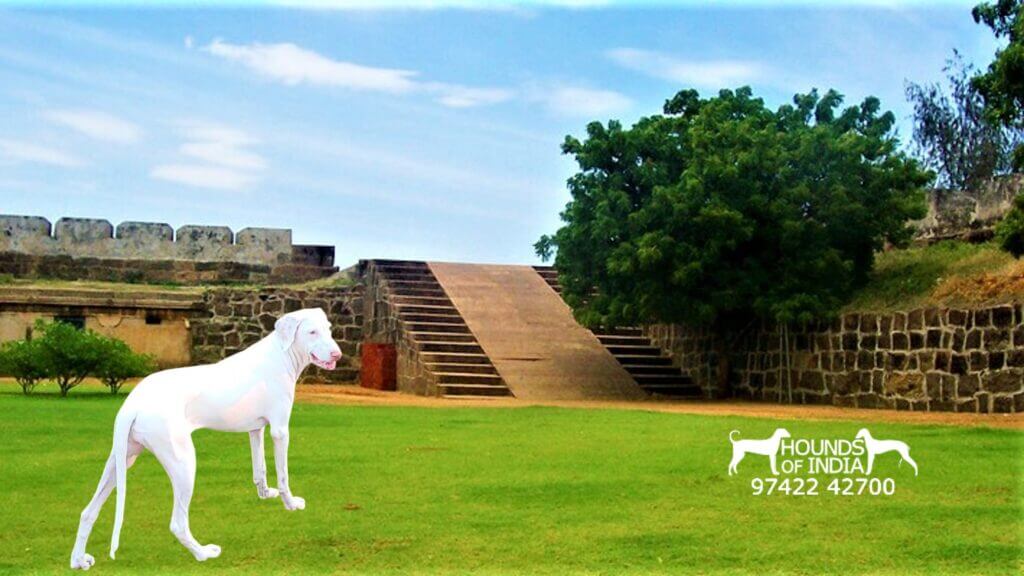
731	439
122	428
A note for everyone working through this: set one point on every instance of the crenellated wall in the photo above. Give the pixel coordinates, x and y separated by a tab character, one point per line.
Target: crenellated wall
92	238
93	249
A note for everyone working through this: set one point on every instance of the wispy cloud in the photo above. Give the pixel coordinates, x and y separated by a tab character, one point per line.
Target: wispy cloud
576	101
689	72
201	176
293	65
96	125
218	157
21	151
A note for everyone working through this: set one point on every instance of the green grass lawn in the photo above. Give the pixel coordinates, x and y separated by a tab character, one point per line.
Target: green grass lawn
405	490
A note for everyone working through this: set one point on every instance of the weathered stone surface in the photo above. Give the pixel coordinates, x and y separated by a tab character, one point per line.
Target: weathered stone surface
931	359
239	318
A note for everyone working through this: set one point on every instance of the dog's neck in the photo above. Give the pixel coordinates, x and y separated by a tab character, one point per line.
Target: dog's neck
295	362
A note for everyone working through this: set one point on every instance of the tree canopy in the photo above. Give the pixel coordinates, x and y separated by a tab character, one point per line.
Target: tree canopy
955	134
722	207
1002	85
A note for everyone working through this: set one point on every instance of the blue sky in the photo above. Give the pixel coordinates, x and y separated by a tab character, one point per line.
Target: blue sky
420	130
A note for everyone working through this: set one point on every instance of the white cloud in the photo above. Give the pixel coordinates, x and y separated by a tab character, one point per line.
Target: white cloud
455	96
697	73
293	65
582	102
21	151
201	176
96	125
219	157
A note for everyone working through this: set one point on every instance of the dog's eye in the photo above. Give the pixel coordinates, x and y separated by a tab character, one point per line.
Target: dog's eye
312	331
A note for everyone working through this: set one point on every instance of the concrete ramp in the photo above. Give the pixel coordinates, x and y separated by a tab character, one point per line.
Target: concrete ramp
530	335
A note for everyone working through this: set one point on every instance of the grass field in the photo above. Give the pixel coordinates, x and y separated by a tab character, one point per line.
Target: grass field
536	490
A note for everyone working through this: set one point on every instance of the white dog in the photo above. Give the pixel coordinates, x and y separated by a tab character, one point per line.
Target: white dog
768	447
875	447
242	393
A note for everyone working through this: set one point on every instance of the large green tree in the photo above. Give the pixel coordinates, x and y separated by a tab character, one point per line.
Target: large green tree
1002	84
721	208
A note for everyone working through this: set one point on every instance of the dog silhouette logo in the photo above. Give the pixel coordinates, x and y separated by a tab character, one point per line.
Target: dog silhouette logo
873	447
768	447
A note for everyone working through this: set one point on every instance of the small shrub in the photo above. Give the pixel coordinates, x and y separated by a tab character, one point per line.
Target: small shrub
1010	232
118	363
68	354
23	360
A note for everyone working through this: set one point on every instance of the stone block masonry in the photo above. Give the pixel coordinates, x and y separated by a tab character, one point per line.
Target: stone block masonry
234	319
933	359
91	249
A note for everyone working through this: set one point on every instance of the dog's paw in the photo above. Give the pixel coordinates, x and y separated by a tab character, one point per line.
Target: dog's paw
268	493
83	562
207	552
294	503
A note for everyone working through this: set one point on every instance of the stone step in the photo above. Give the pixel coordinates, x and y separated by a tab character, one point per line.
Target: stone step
472	390
442	336
468	378
454	358
461	368
688	391
399	300
457	347
627	340
413	283
426	309
415	317
623	350
450	327
636	360
425	276
648	369
410	291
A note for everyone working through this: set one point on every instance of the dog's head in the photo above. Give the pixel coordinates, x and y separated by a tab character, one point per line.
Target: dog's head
781	433
863	434
309	332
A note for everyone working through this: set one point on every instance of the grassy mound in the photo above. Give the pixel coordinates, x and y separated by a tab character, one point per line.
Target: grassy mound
948	273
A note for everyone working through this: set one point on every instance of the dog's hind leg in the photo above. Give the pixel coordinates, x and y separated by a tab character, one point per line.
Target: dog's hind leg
259	465
79	558
177	454
737	456
905	454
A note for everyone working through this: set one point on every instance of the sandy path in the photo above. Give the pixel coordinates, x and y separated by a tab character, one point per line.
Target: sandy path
356	396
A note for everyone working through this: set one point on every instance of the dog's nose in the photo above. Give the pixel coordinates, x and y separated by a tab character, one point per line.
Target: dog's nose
336	355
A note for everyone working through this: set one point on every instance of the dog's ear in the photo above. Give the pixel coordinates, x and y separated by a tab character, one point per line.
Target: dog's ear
285	329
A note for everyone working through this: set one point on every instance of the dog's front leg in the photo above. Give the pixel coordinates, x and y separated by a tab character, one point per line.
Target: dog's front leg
259	465
280	436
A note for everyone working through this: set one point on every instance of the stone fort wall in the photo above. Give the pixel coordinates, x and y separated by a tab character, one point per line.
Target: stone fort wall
93	249
930	359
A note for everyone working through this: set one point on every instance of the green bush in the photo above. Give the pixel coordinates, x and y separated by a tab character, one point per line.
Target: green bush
118	363
67	355
1010	232
23	360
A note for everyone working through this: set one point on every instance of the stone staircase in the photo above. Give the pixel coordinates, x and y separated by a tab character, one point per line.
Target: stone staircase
652	370
433	328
